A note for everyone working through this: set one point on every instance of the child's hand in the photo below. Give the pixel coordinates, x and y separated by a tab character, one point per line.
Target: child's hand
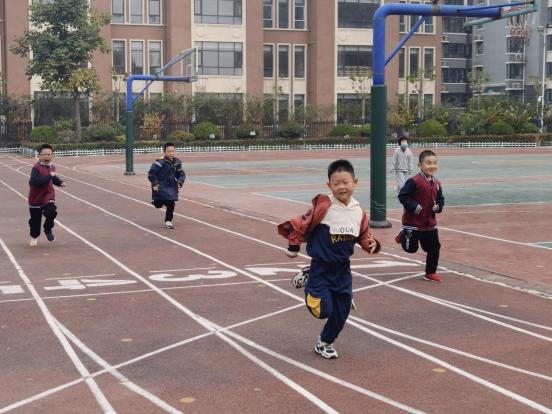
52	173
372	246
63	184
155	187
435	207
418	209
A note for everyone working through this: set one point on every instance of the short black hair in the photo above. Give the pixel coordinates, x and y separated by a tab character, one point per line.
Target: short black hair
424	154
340	165
43	147
401	139
168	144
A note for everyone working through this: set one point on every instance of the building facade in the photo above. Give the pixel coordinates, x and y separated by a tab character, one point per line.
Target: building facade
297	52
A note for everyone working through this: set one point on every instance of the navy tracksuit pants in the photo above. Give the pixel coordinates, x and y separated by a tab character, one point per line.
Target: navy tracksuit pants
328	295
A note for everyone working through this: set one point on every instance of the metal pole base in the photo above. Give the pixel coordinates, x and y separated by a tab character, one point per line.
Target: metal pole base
376	224
130	173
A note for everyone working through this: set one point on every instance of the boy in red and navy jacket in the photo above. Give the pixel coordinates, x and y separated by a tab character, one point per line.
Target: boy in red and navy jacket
331	228
422	198
42	197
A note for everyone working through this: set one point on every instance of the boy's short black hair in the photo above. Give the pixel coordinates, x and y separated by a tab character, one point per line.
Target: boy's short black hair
340	165
424	154
401	139
168	144
43	147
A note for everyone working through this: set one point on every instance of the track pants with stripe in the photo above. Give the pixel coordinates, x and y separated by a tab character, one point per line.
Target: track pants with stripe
328	295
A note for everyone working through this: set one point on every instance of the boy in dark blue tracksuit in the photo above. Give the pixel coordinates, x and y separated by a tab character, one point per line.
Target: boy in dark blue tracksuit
166	176
331	228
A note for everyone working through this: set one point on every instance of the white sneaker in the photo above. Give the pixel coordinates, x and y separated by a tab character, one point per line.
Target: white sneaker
325	350
300	278
168	225
33	243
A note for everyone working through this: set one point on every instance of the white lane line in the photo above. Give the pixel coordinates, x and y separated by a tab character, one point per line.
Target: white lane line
210	326
182	270
452	350
517	397
83	371
120	377
79	277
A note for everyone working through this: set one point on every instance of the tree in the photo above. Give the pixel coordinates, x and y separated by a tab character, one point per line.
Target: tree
417	79
478	81
63	36
361	86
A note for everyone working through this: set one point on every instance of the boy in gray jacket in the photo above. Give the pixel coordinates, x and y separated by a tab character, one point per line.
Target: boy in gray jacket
402	163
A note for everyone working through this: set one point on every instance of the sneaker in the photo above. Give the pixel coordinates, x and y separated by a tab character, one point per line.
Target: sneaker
168	225
33	243
325	350
433	277
300	278
49	235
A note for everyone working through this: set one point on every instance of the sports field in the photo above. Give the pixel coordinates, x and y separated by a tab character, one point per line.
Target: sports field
121	315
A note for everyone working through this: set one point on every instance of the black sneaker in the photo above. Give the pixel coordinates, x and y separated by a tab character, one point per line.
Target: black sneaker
49	235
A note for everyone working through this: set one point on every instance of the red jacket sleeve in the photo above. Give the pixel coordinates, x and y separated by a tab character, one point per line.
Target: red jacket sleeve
365	237
296	228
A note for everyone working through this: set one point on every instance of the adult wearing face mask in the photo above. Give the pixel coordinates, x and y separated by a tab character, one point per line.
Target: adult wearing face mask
401	162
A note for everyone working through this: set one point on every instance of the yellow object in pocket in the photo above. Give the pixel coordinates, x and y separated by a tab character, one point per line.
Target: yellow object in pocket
314	305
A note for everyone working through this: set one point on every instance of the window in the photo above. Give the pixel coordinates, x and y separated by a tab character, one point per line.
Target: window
298	103
414	61
118	11
137	58
455	50
154	57
514	71
428	102
453	25
119	53
136	11
300	14
549	43
548	69
402	23
455	75
219	58
401	64
283	107
479	48
350	108
283	14
429	25
513	45
299	62
154	12
428	63
283	61
549	16
268	61
354	60
218	11
357	14
267	14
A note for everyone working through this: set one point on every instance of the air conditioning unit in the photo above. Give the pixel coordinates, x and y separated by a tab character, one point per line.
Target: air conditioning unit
518	57
445	38
516	85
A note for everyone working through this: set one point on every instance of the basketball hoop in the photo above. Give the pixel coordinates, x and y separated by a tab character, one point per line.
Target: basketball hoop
520	29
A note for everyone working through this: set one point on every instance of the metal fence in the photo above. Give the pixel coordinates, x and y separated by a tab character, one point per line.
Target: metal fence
14	132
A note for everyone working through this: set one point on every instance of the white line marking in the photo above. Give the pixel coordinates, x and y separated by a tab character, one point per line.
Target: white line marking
79	277
83	371
182	270
120	377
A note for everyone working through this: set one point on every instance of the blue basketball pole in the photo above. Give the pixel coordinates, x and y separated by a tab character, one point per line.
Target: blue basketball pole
378	193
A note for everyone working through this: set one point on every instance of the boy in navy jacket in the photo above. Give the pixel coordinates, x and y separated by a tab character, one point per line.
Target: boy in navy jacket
331	228
166	177
42	197
422	198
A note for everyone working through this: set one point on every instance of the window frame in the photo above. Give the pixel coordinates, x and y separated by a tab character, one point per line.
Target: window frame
289	49
295	47
160	12
124	4
273	47
265	4
432	62
142	41
125	60
237	20
130	12
410	49
305	11
161	55
341	69
199	45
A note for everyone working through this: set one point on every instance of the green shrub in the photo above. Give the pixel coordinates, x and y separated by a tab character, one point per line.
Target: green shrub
120	138
204	129
181	136
100	132
342	130
290	130
500	128
528	128
118	128
44	133
244	132
365	130
63	124
431	128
